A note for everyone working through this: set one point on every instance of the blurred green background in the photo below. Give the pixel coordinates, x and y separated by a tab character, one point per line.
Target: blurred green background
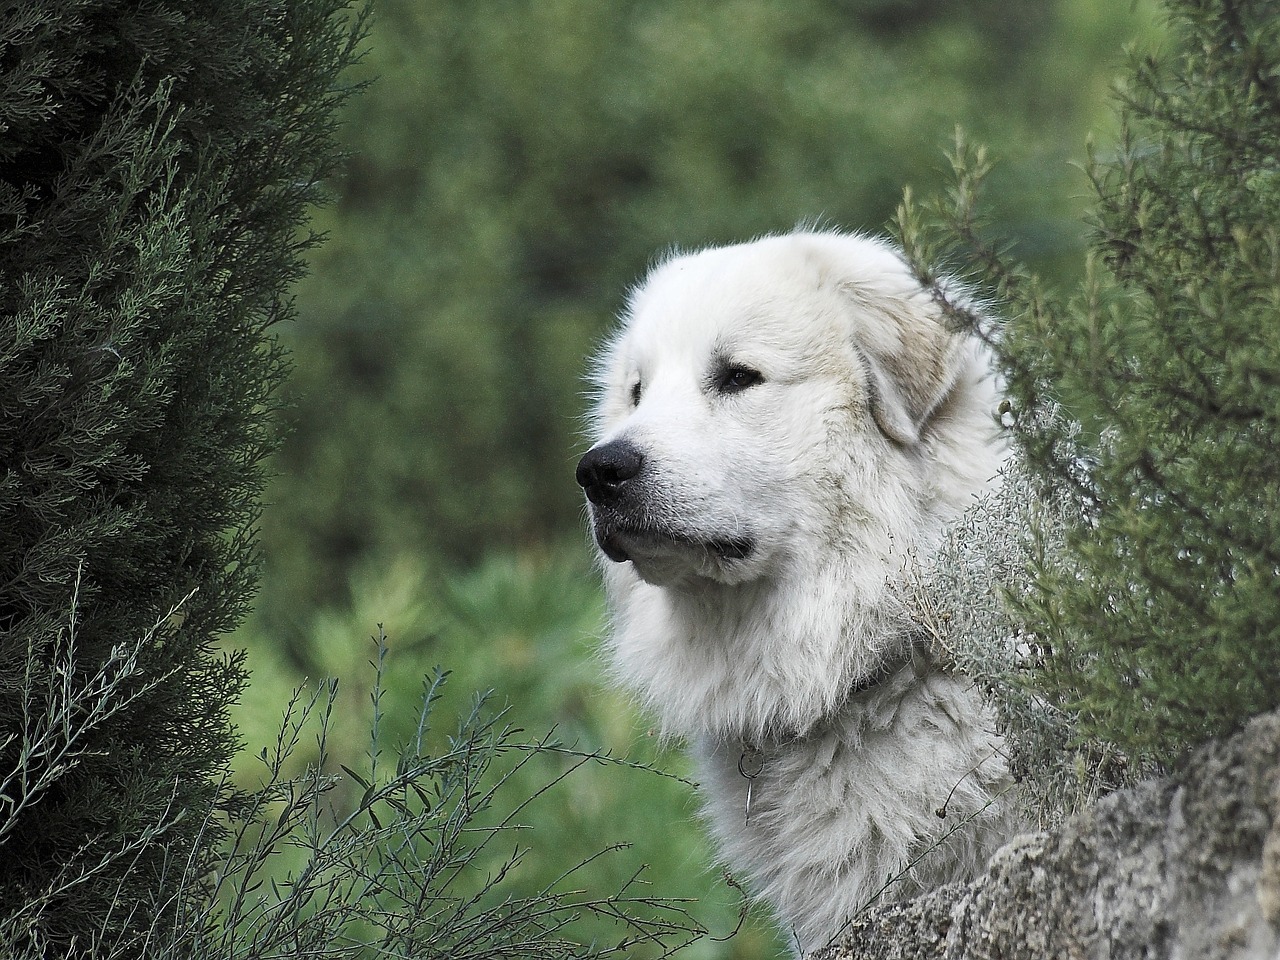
514	166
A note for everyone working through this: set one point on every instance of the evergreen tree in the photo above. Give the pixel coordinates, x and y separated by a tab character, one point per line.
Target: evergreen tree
1158	620
156	161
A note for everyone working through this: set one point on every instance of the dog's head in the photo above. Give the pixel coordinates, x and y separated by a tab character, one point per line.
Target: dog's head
765	400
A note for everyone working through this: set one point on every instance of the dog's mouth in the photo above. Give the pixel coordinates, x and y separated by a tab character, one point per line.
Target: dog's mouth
621	542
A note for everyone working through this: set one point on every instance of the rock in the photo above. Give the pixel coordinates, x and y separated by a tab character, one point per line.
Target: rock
1182	868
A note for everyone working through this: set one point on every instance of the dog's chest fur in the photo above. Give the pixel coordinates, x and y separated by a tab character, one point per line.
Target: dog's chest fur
900	791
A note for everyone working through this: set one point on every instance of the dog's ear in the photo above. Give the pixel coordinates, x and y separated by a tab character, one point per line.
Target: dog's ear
888	409
908	388
912	360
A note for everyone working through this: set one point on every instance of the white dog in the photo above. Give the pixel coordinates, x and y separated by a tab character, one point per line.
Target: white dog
781	428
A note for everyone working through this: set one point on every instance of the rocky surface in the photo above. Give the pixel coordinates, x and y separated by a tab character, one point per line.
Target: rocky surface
1182	868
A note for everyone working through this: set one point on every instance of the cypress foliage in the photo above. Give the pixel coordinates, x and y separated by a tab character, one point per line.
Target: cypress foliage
156	161
1157	622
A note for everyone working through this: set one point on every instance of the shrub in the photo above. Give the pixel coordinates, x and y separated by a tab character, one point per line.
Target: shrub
411	856
157	162
415	854
1157	623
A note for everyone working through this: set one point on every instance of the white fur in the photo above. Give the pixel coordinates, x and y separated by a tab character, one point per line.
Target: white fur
762	546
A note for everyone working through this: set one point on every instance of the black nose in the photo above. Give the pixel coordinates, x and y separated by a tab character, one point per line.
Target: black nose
604	470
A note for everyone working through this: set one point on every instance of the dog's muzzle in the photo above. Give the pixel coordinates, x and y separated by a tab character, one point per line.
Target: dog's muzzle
611	476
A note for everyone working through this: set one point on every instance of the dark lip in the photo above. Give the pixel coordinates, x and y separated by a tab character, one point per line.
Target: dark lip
615	539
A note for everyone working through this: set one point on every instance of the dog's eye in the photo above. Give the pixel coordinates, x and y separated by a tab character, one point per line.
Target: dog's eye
734	378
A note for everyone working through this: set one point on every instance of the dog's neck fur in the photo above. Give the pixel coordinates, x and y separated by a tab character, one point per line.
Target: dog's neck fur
756	670
878	789
916	655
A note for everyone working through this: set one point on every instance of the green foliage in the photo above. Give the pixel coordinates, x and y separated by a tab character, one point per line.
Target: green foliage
415	854
523	629
1158	622
156	163
514	167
